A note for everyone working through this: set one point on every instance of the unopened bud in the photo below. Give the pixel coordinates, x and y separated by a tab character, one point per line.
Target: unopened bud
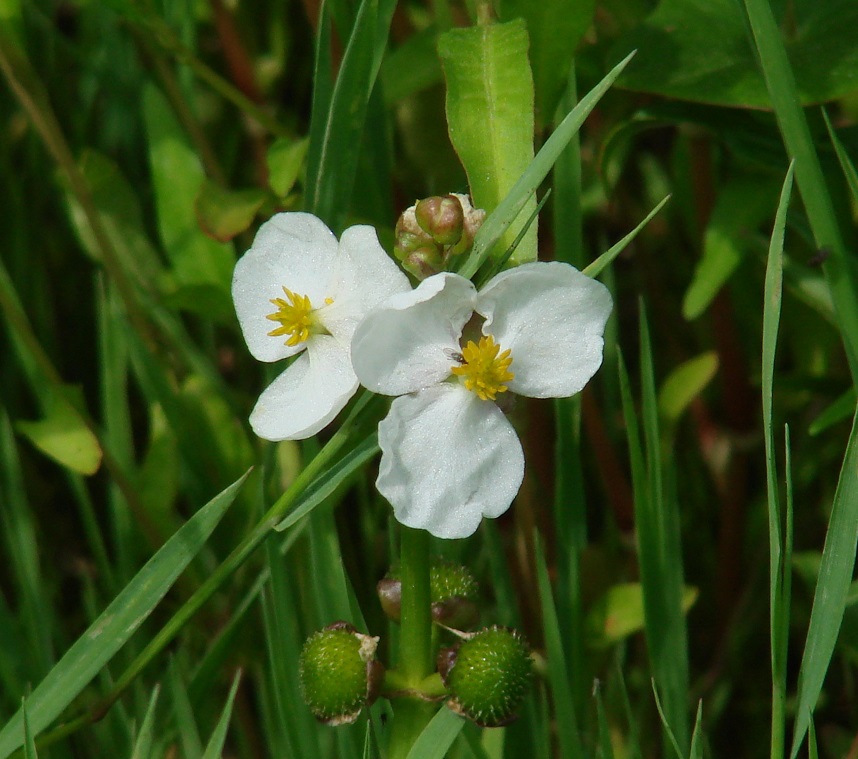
487	675
442	217
472	220
453	592
339	673
423	262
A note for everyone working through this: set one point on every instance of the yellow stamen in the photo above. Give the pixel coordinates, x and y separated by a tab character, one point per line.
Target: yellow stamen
295	316
483	370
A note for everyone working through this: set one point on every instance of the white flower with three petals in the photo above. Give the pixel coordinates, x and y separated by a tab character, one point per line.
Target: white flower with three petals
449	455
297	290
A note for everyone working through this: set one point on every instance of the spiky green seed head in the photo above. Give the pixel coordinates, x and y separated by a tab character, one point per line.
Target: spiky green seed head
487	675
339	673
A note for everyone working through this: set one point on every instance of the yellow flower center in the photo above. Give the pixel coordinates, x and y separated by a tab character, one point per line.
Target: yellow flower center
296	317
484	368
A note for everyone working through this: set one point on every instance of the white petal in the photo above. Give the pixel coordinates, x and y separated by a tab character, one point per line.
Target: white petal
551	317
293	250
308	394
364	277
448	460
409	342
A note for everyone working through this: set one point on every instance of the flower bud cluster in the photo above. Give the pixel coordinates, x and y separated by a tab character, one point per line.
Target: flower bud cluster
434	230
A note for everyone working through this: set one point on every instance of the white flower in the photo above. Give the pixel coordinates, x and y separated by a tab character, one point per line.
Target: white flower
299	291
449	455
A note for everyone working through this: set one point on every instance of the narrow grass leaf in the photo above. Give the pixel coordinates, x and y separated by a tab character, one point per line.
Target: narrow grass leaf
846	164
697	739
143	745
836	412
214	747
684	384
118	622
665	723
324	485
561	689
606	748
437	736
779	629
832	588
595	268
183	713
29	741
499	220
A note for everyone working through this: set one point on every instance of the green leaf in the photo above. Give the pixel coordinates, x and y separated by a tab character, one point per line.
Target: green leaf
117	623
29	742
285	159
214	747
555	28
490	116
832	590
177	176
412	67
742	206
499	220
698	50
620	613
437	736
323	486
684	384
63	436
222	214
143	745
840	409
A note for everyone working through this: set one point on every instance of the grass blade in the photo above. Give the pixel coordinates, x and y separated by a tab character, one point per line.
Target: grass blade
437	736
218	737
117	623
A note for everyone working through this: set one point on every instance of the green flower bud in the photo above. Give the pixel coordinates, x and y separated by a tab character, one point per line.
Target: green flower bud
442	217
453	593
423	262
487	675
339	673
409	236
472	220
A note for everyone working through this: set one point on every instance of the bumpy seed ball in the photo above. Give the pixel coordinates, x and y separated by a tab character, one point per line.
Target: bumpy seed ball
487	675
453	592
336	669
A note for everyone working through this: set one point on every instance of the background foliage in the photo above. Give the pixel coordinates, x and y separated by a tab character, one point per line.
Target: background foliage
667	531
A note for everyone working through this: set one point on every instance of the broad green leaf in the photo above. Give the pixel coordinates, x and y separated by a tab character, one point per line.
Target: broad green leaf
222	214
63	436
285	159
684	384
498	221
117	623
741	207
490	116
555	28
620	613
832	590
177	176
698	50
437	736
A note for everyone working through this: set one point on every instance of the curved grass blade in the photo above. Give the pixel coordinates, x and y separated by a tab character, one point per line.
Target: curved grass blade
500	219
118	622
218	738
143	744
437	736
832	589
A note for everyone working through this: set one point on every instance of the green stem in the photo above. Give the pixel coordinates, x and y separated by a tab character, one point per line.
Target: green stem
415	641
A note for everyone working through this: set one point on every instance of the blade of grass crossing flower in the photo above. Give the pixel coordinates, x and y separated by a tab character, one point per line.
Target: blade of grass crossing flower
660	558
596	267
832	586
499	220
490	115
779	630
214	747
568	735
438	736
333	153
143	744
780	82
118	621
